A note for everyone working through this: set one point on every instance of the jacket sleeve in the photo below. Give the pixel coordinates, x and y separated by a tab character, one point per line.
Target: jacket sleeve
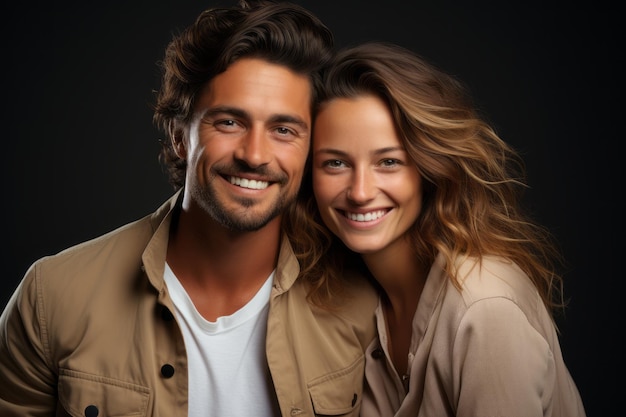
27	381
501	364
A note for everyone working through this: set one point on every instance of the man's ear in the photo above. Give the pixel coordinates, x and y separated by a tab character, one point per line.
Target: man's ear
177	136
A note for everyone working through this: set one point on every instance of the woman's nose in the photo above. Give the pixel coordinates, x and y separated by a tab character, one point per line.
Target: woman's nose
362	187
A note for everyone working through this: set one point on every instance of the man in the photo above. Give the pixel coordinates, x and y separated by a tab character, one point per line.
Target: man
195	309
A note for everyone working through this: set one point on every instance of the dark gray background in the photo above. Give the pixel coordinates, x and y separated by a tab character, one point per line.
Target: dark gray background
82	151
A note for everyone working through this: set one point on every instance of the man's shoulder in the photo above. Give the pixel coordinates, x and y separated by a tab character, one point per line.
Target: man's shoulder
120	239
103	257
125	239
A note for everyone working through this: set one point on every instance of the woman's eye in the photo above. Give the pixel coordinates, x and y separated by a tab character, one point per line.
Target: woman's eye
334	163
389	162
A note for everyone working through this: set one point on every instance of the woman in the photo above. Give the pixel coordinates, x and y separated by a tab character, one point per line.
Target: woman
407	174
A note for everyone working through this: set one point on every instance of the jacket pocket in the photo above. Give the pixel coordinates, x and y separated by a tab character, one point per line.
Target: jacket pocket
83	394
339	393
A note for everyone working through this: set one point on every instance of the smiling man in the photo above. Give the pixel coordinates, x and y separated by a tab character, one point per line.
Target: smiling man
197	309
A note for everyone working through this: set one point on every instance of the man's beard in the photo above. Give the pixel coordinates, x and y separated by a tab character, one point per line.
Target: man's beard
245	219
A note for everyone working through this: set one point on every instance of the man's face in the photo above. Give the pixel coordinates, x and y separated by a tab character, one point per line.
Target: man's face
247	144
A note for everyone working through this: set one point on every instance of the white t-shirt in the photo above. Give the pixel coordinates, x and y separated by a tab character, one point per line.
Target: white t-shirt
228	372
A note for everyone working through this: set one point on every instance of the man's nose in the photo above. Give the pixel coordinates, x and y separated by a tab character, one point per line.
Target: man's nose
254	148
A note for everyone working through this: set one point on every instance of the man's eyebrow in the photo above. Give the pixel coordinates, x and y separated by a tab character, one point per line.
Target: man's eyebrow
233	111
237	112
286	118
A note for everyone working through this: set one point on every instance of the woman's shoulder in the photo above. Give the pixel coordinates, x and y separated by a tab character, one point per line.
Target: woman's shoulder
495	277
495	290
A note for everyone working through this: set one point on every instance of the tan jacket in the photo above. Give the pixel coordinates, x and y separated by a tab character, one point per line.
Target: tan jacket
91	329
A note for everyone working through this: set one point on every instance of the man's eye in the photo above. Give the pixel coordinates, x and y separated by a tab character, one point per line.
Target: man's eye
225	122
285	131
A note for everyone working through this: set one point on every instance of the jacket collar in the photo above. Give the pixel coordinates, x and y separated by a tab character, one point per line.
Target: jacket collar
154	256
287	267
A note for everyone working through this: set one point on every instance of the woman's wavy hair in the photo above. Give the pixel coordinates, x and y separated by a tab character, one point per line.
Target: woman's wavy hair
278	32
472	180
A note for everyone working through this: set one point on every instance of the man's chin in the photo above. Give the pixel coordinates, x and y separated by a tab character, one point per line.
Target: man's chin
247	219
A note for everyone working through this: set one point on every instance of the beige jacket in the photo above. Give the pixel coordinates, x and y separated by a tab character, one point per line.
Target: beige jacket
90	331
488	350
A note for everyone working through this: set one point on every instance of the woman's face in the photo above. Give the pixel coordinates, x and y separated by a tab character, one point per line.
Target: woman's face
368	190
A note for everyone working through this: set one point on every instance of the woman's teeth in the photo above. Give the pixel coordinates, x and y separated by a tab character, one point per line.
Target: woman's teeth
366	217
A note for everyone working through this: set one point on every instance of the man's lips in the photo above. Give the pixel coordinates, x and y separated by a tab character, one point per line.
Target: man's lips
248	183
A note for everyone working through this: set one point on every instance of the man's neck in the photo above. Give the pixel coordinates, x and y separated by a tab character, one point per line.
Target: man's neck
221	269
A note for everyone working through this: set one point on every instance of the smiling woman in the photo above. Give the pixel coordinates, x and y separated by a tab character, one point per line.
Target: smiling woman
362	175
408	176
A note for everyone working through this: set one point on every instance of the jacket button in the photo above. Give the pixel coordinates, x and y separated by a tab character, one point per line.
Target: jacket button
354	400
91	411
378	353
167	370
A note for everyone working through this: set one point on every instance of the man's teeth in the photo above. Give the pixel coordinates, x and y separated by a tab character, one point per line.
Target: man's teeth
366	217
246	183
